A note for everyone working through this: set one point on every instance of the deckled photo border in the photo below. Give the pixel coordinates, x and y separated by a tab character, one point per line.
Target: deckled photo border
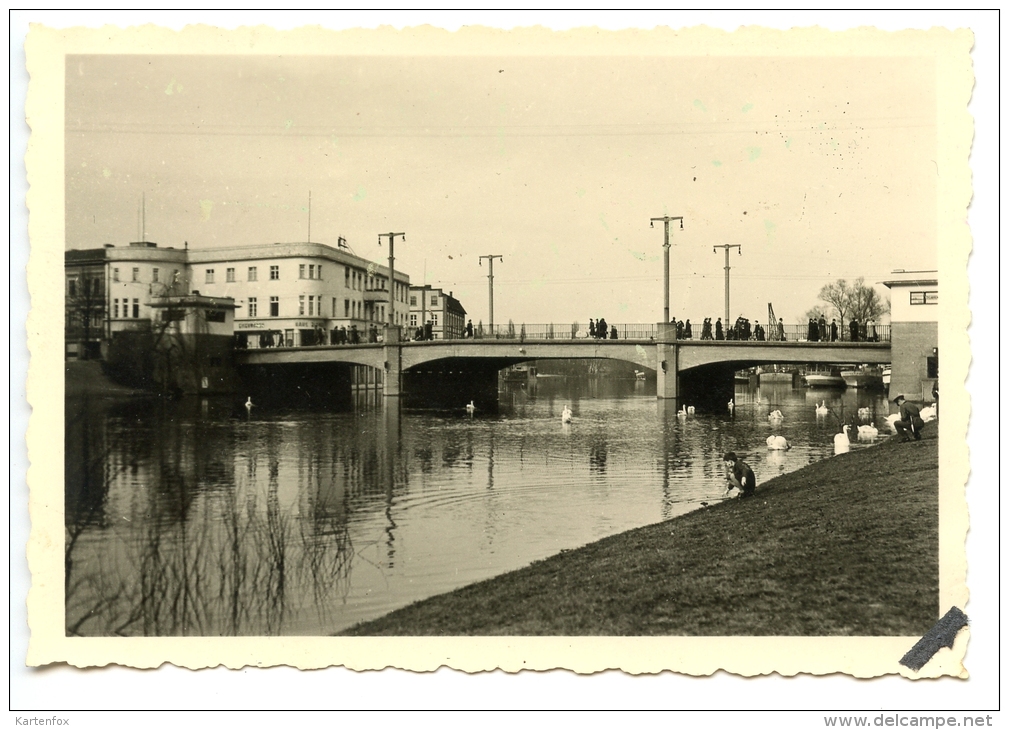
861	657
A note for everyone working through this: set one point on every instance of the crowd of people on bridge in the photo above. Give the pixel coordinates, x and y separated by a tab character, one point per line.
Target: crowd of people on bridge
600	330
819	331
740	330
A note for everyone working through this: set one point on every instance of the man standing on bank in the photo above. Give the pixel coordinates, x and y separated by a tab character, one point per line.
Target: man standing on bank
910	419
738	474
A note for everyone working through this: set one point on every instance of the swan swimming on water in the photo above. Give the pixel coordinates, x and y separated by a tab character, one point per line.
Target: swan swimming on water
682	413
822	410
249	404
732	406
470	408
566	415
690	410
868	432
775	416
778	443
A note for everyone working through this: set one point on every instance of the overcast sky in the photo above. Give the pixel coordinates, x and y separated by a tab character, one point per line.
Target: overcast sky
819	168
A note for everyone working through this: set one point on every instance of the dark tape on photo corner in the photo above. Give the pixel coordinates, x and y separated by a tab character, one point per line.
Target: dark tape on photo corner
940	635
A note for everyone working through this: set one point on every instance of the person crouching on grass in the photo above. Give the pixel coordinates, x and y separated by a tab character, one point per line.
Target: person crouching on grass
910	419
739	475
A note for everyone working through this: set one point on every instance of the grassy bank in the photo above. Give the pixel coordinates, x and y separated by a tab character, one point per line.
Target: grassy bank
846	546
85	377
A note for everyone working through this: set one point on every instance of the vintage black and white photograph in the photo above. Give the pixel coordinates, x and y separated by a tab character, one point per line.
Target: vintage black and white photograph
483	343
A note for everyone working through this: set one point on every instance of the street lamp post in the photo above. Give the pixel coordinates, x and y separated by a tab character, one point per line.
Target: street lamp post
727	246
665	261
392	274
490	284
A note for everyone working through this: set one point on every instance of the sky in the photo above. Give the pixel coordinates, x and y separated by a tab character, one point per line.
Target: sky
819	168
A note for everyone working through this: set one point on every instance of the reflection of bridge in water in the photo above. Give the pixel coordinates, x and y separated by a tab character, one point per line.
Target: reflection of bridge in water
464	370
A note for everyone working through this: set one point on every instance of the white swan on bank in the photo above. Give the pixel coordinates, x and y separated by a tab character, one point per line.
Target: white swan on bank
868	432
775	416
732	406
566	415
822	410
778	443
928	413
470	408
892	419
841	442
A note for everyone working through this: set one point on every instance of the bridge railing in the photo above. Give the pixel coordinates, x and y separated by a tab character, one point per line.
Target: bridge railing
554	331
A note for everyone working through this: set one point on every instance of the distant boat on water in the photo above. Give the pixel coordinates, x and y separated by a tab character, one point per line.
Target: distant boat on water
864	378
824	379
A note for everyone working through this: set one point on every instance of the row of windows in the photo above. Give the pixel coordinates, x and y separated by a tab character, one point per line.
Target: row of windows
312	306
413	300
88	286
135	274
126	308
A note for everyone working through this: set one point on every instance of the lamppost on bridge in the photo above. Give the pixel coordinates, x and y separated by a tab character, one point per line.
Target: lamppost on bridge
665	260
392	274
727	246
490	284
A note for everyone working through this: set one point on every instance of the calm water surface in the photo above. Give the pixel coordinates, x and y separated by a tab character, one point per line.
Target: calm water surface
196	518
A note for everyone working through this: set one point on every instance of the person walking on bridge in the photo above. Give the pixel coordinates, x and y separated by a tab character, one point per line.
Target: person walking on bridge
719	334
853	329
833	330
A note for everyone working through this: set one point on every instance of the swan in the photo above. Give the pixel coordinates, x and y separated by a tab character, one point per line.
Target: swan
868	432
732	406
566	415
775	416
682	413
864	414
822	410
890	420
841	442
470	408
690	410
778	443
928	414
249	404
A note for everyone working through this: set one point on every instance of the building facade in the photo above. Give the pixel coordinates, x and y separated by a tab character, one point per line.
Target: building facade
914	333
443	311
290	294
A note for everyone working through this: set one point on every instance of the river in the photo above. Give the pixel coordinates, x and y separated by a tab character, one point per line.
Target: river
199	518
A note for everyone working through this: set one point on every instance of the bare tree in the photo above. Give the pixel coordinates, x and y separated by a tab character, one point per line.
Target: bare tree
85	309
815	313
838	296
865	303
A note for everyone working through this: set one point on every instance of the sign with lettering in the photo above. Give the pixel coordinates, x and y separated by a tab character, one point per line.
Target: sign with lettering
924	297
251	325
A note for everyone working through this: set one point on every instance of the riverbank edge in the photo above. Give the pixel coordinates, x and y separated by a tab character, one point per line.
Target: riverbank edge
847	546
87	378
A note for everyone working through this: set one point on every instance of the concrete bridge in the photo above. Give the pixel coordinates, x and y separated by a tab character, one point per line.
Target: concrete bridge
470	366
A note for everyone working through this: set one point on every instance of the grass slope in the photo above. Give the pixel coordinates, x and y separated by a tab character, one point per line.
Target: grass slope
845	546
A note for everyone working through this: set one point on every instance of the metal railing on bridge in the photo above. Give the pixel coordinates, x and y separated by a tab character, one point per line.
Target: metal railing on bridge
551	332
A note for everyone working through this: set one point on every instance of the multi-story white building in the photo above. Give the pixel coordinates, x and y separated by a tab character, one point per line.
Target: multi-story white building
914	333
299	293
443	311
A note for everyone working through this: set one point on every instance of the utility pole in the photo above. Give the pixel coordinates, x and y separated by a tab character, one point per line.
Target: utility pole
490	279
727	246
665	261
392	273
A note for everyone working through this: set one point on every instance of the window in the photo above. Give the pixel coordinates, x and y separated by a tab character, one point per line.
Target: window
216	315
334	307
115	274
932	366
210	276
229	274
311	271
136	309
434	301
346	277
274	273
311	305
72	287
136	273
253	274
924	297
413	301
154	275
318	271
301	305
434	319
413	320
175	277
346	308
253	306
115	309
274	307
301	271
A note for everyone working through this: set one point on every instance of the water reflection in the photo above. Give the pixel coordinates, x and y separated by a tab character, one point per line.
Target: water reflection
203	518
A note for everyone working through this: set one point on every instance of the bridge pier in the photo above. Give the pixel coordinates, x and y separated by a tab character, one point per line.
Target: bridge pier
667	375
